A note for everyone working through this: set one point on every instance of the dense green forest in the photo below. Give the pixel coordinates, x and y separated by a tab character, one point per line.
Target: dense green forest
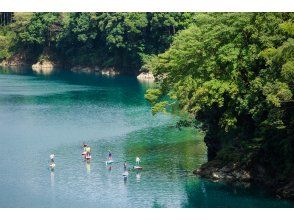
120	40
234	73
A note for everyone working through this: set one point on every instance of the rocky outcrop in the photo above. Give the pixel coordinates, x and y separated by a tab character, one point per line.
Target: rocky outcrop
84	69
95	69
109	72
237	174
45	67
17	60
286	191
215	171
4	63
146	76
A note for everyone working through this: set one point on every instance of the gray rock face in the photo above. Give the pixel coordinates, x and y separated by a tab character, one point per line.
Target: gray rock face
95	69
45	67
82	69
236	174
109	72
287	191
228	173
16	60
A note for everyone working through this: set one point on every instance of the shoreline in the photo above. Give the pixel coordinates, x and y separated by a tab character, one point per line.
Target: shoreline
46	67
237	174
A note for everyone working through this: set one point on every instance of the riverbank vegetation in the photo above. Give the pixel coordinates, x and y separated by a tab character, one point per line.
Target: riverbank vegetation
234	73
119	40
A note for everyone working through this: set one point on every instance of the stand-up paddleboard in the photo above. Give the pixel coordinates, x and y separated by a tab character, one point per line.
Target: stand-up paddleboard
109	162
126	173
52	165
138	167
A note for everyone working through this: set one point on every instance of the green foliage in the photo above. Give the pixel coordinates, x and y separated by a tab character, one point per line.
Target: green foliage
42	30
8	34
119	40
152	95
4	47
234	72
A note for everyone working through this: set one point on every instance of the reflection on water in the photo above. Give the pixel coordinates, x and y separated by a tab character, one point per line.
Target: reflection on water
52	178
125	179
156	204
138	176
58	112
88	167
203	193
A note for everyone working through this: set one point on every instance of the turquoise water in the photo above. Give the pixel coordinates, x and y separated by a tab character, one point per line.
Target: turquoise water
56	113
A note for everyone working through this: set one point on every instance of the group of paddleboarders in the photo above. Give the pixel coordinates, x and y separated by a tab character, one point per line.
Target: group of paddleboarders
87	155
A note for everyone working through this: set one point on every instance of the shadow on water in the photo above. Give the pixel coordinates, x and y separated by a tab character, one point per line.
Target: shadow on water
206	194
156	204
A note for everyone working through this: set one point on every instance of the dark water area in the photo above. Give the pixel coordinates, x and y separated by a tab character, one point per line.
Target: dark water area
42	114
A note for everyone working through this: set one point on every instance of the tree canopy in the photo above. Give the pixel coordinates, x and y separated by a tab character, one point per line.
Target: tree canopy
119	40
233	72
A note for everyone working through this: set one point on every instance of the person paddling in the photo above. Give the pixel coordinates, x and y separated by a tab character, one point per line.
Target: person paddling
125	173
109	155
52	156
125	165
52	163
138	161
88	151
84	149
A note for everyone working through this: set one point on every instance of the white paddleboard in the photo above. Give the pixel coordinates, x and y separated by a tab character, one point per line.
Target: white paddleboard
138	167
109	161
126	173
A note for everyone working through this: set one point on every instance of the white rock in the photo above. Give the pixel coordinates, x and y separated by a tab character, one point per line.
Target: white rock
109	72
43	67
146	76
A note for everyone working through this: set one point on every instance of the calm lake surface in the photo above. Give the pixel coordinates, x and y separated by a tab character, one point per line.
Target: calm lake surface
42	114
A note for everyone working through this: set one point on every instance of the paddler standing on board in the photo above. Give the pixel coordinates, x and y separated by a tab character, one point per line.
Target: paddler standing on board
52	163
88	151
125	165
138	161
84	149
84	146
52	156
109	155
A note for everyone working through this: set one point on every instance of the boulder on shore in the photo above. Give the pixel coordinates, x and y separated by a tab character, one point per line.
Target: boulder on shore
16	60
84	69
109	72
146	76
238	174
95	69
232	172
43	67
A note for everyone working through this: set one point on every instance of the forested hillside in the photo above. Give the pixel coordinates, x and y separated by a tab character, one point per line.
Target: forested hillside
120	40
234	74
